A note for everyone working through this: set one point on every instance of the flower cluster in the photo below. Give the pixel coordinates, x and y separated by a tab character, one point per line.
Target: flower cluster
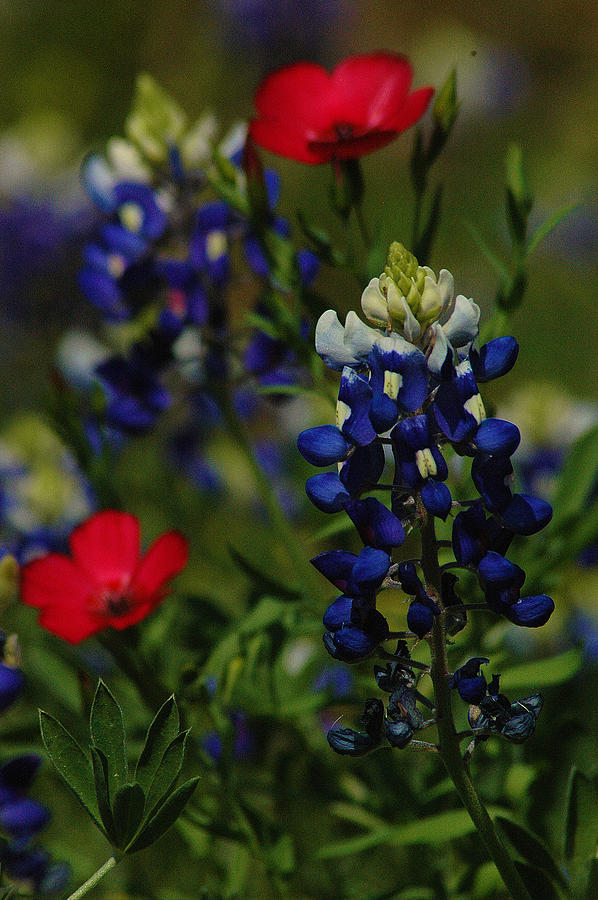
21	817
409	385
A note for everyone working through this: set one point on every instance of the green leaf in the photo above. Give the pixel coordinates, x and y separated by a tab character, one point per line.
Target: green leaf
166	816
577	478
108	735
100	773
592	885
70	761
491	257
531	849
433	830
542	672
581	824
548	226
163	729
167	772
282	855
127	812
537	882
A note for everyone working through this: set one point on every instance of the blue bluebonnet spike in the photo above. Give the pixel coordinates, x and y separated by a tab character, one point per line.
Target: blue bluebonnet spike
398	732
135	396
323	445
531	612
339	613
496	436
376	524
327	492
492	476
458	408
353	408
363	468
352	644
399	380
494	359
469	680
525	514
417	455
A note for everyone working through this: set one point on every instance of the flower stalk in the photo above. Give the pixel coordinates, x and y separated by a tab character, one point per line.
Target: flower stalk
448	738
93	880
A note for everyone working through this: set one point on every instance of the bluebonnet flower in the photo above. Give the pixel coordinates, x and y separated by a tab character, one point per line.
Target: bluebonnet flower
411	382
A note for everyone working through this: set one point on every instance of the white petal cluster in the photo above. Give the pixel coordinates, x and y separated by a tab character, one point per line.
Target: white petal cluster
351	344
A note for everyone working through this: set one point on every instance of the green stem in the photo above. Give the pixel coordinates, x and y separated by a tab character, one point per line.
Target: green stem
97	876
448	739
287	536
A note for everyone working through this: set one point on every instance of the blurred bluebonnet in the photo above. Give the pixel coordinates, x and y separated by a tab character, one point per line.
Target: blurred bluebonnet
412	382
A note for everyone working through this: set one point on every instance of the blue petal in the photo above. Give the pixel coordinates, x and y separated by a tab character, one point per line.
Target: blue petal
497	572
437	499
339	613
11	685
525	514
23	816
309	266
407	575
370	569
494	359
398	732
103	291
376	524
350	643
154	219
327	492
323	445
519	728
336	566
348	742
496	436
490	475
451	417
363	468
531	612
420	618
356	393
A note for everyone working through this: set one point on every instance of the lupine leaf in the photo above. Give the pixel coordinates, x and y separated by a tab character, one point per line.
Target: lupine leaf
100	772
548	226
592	885
433	830
108	735
167	772
531	849
166	816
163	729
282	855
577	478
581	823
70	761
542	673
127	812
537	882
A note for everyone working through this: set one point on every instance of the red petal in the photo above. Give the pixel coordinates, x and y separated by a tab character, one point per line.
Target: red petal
369	88
296	94
354	148
279	138
413	109
54	579
164	559
73	626
107	546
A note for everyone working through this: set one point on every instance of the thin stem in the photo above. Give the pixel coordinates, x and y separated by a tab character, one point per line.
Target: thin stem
448	739
363	228
97	876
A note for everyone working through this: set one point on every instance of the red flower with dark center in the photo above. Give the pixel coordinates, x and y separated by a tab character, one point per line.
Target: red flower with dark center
107	582
313	116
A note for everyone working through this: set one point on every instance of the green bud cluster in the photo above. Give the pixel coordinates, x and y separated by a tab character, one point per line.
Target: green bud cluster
404	275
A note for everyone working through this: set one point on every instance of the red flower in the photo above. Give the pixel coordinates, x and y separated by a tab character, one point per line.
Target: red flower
107	582
308	114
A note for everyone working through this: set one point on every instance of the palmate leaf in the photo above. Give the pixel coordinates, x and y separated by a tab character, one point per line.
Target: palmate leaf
71	763
166	816
167	772
127	812
100	772
537	882
108	736
163	729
